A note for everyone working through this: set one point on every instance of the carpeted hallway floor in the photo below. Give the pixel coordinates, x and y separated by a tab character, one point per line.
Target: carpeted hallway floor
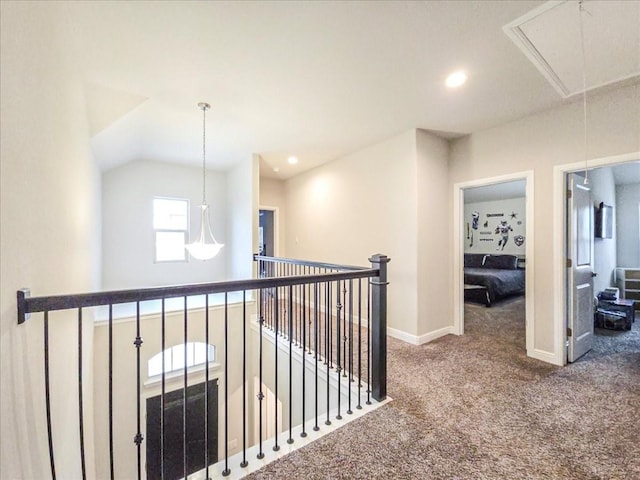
476	407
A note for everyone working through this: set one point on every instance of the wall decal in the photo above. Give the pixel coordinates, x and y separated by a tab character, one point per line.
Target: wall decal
503	230
475	216
518	240
485	217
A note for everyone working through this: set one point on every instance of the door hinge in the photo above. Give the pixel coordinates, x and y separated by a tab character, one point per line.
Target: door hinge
569	194
569	332
569	263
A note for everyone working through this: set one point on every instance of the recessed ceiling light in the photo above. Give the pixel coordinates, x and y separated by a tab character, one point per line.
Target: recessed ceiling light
276	169
456	79
292	160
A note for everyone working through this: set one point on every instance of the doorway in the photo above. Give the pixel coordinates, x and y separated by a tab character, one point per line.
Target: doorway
496	240
267	231
560	315
201	443
613	201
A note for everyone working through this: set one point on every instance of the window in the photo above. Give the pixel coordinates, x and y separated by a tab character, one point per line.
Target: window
171	226
174	357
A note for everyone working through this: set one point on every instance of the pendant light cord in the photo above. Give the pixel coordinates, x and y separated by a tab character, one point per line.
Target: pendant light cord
581	9
204	169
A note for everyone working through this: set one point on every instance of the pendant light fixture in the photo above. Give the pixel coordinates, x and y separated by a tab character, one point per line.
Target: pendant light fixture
206	246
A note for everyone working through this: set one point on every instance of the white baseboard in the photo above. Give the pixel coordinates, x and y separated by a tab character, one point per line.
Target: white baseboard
545	356
422	339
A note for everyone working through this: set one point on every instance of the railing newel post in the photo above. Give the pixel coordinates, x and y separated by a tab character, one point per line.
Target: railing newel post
379	327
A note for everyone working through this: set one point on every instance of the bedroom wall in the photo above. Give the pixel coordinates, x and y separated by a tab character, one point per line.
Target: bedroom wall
49	240
603	189
484	239
273	194
628	227
538	143
359	205
128	239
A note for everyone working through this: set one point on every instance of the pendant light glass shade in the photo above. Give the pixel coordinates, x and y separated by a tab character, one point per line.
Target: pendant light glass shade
206	246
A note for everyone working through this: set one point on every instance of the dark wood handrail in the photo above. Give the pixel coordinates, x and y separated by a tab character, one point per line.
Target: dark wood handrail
307	263
28	304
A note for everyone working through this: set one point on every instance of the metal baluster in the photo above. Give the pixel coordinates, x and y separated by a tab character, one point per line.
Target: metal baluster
244	462
304	377
315	347
47	393
327	344
138	437
163	388
344	329
226	470
206	386
330	320
80	402
260	394
359	406
349	411
308	309
369	342
111	472
338	338
276	447
185	459
290	439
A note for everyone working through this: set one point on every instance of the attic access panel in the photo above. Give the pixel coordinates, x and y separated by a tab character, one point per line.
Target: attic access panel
550	37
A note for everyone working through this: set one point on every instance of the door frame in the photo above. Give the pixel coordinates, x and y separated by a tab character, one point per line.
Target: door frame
560	239
458	249
276	227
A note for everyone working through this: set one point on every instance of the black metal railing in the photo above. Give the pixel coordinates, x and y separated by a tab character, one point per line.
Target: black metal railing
324	311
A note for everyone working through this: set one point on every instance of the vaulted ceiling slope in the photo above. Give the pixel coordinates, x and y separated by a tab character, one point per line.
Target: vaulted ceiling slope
316	80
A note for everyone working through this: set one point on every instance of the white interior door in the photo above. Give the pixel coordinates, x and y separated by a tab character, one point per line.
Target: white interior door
580	275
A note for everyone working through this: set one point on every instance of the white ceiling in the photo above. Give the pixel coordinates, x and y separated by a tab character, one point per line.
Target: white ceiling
317	80
552	39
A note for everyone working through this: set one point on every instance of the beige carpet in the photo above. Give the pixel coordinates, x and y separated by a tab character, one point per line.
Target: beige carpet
475	407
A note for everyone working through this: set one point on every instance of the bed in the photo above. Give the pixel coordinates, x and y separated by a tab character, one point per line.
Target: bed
488	278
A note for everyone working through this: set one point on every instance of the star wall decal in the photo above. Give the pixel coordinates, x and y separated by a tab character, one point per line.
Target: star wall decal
514	214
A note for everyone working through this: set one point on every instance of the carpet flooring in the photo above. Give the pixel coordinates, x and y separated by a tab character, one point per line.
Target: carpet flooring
476	407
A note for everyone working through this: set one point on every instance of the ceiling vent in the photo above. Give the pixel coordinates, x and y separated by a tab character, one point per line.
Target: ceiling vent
550	37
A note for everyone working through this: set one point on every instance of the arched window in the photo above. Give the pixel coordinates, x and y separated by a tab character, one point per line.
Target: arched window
174	357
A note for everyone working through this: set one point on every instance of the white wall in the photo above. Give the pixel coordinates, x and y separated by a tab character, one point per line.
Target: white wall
242	220
628	225
273	194
485	240
49	240
537	143
359	205
433	247
603	189
128	241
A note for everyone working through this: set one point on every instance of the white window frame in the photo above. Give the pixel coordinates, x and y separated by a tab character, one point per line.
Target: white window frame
185	231
174	359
